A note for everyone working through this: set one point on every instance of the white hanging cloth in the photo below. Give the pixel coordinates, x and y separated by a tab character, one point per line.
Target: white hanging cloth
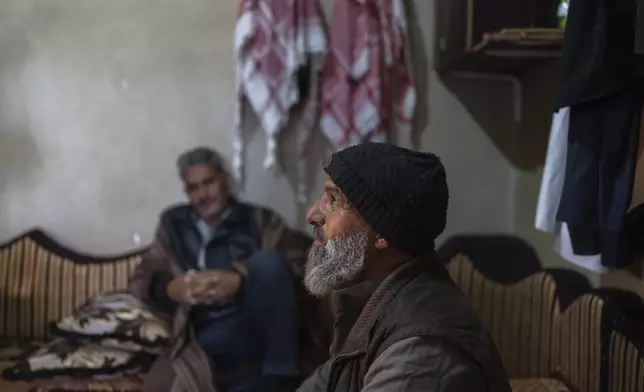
552	182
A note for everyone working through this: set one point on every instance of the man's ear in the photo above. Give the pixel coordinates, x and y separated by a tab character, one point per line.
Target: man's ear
381	243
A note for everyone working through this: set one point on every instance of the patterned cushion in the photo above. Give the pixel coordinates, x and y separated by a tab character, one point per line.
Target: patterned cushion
538	385
41	282
129	384
117	320
66	357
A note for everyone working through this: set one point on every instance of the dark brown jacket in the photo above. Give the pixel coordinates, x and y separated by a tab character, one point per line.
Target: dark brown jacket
185	367
416	332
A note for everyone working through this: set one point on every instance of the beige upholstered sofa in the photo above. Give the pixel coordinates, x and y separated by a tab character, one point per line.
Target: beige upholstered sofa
42	281
554	333
550	337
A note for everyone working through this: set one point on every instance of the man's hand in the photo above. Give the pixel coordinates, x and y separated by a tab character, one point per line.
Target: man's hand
183	288
204	287
217	285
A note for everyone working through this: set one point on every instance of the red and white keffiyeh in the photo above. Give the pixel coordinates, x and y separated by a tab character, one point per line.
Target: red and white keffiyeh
367	73
274	40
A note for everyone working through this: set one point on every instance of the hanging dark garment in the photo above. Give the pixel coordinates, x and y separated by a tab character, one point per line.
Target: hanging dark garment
600	53
639	28
602	74
600	169
634	230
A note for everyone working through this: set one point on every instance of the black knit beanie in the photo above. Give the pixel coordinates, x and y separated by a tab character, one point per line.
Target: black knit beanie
402	194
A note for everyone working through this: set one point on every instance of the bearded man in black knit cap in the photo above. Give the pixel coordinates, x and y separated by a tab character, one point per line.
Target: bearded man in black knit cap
401	324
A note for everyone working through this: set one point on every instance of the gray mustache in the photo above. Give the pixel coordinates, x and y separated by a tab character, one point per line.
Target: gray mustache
206	202
319	233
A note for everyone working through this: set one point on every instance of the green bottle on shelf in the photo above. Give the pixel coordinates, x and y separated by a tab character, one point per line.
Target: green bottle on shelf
562	13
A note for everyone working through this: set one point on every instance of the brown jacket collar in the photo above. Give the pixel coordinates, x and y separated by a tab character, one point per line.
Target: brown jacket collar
347	306
364	302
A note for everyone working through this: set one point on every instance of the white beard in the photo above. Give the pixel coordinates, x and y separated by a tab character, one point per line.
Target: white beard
335	264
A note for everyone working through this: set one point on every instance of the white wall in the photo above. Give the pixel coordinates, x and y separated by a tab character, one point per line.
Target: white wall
97	98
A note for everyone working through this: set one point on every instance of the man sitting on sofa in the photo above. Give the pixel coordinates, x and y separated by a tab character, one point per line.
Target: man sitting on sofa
224	272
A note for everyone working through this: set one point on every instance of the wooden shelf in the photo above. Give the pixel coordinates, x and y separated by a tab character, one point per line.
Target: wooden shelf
505	51
496	62
498	36
521	43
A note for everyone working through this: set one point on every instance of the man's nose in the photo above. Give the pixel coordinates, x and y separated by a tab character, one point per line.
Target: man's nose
201	193
314	216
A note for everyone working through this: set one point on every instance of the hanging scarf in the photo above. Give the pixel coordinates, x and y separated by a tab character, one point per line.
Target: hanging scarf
367	73
274	41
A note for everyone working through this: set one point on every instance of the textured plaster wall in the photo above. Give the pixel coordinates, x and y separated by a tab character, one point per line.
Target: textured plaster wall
97	98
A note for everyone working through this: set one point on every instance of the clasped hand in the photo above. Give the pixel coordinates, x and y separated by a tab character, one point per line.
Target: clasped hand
205	287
